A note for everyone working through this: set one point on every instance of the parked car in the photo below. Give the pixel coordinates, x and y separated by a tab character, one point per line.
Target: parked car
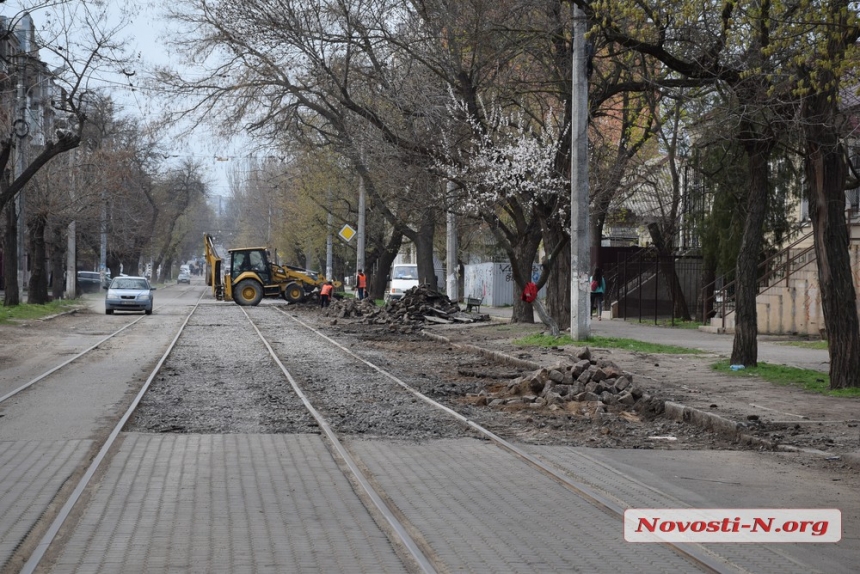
89	282
129	294
184	277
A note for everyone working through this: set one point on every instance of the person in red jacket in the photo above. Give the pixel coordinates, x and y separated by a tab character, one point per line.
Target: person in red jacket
361	284
325	293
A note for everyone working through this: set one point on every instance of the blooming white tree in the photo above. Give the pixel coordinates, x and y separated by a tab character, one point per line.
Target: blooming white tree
509	161
509	178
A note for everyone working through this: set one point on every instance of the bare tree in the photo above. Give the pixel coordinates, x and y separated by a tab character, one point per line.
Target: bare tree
79	39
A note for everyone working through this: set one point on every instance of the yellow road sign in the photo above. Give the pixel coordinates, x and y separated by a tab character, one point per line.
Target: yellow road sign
347	232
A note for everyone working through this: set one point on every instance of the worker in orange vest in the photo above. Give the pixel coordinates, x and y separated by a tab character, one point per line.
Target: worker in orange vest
325	293
361	283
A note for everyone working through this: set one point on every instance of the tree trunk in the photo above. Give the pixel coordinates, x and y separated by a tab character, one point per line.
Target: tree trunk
424	249
378	281
745	346
680	310
558	284
166	268
666	266
705	307
10	258
595	231
37	288
825	174
525	253
133	267
57	258
545	318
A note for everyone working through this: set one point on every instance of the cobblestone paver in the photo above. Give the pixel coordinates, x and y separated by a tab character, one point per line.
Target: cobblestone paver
31	474
482	510
630	493
225	503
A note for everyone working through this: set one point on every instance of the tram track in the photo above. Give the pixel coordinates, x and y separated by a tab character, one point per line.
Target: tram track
402	533
695	555
81	354
53	529
67	362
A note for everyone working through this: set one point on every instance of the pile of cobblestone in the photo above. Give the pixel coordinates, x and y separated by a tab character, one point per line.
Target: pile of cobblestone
418	306
585	386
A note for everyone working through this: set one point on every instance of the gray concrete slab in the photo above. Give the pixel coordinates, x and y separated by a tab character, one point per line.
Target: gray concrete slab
31	474
225	503
725	479
481	510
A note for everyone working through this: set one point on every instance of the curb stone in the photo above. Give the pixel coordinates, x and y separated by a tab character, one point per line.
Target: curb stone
728	428
715	423
71	311
501	357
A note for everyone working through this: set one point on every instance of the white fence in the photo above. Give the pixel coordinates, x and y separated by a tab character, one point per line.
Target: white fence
494	283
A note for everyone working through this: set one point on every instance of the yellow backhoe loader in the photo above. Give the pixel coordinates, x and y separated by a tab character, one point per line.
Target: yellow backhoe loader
250	275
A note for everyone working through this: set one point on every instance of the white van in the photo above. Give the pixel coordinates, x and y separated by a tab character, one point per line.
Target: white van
402	279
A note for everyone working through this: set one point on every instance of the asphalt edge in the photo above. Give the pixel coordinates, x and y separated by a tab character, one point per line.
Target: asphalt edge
733	430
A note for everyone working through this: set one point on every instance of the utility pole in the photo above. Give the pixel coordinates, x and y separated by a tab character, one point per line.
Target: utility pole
452	285
360	236
580	252
71	240
103	242
329	244
22	125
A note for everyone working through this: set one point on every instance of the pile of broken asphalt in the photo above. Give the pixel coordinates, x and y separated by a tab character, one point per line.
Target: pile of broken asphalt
745	409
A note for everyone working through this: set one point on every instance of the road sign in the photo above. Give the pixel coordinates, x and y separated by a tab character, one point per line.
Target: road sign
347	232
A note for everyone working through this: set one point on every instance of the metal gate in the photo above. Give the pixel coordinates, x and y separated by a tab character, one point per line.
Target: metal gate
639	285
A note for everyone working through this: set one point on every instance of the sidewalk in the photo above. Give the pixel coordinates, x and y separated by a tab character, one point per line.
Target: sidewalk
727	404
770	349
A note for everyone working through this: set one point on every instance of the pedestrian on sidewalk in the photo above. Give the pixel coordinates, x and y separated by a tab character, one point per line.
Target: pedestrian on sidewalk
598	288
361	284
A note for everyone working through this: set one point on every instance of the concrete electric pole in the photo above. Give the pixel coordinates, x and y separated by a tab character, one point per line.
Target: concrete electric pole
452	285
359	246
22	130
580	252
71	245
329	242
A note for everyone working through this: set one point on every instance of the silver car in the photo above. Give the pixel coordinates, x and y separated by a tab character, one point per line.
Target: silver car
129	294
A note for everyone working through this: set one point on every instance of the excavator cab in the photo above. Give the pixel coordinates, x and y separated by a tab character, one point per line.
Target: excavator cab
250	276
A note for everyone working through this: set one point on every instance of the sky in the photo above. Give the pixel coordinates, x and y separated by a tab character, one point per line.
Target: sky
144	36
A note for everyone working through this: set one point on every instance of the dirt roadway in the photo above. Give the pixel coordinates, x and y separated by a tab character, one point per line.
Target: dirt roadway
776	414
785	415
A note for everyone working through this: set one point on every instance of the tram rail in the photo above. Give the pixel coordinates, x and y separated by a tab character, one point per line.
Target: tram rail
65	363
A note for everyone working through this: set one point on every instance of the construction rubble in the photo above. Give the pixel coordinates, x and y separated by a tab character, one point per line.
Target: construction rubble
418	306
584	386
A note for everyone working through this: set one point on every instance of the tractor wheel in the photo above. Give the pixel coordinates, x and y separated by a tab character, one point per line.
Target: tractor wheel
294	293
248	292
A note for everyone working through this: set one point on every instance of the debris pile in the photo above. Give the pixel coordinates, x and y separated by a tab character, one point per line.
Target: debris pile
418	306
585	386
